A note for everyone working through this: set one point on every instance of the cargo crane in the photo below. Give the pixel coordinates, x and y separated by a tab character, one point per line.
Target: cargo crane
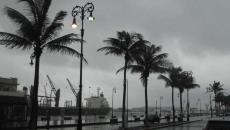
73	90
55	92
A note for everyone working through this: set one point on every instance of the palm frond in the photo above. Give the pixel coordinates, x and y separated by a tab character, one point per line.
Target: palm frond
64	50
33	9
13	41
15	44
63	40
143	79
111	50
168	82
155	49
115	42
46	6
54	28
25	26
119	70
136	68
160	56
133	68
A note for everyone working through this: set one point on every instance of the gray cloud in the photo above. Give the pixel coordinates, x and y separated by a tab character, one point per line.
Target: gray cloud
194	33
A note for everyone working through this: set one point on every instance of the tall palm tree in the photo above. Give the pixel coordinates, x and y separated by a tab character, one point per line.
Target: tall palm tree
172	81
37	32
189	83
216	87
128	45
150	61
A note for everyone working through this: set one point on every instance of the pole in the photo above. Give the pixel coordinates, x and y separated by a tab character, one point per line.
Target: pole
79	127
156	106
200	107
211	104
161	98
89	91
127	111
187	106
160	106
81	10
112	102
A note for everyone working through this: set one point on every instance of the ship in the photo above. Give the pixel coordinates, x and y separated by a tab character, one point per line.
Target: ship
95	105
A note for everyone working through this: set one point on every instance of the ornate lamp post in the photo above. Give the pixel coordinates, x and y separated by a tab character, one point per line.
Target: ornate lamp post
81	11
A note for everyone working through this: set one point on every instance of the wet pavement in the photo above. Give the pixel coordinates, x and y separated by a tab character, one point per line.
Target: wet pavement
191	126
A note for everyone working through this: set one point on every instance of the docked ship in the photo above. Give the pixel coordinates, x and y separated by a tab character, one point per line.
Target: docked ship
95	105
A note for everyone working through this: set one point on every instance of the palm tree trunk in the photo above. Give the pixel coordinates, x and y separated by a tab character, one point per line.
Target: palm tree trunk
187	106
181	108
173	109
124	93
215	104
146	99
34	107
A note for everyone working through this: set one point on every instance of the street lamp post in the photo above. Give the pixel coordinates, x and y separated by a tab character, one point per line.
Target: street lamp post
81	10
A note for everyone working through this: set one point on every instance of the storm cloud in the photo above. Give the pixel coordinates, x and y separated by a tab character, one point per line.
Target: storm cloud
195	33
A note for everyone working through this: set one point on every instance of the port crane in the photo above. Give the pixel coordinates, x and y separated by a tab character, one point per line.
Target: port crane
73	90
55	92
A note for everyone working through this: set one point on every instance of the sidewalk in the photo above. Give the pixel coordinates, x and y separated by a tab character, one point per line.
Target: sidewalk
160	125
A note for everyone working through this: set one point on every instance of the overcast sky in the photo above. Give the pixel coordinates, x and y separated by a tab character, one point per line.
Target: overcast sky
195	33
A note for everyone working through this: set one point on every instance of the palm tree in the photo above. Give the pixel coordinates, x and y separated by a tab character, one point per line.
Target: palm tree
35	31
150	61
189	83
216	87
128	45
172	81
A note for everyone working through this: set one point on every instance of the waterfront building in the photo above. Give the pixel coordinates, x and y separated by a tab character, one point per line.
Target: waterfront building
13	103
